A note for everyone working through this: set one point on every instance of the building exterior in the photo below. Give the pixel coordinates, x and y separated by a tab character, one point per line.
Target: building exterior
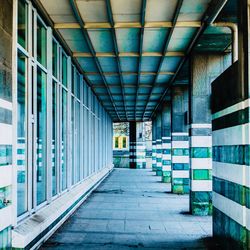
69	69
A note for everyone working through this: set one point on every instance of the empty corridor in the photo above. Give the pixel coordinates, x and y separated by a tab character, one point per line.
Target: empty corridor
132	209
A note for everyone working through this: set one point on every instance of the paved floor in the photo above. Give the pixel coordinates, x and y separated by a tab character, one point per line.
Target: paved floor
132	209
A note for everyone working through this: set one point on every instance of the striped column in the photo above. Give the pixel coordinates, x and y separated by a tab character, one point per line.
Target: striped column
137	147
166	159
140	159
154	145
159	144
201	169
158	157
154	156
231	154
231	174
180	163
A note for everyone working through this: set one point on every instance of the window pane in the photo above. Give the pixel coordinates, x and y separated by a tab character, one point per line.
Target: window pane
64	70
22	23
73	139
54	59
41	136
77	120
54	138
73	80
64	140
78	86
116	142
41	43
21	136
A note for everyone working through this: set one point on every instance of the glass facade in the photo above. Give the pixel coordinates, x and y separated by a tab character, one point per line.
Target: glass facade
57	118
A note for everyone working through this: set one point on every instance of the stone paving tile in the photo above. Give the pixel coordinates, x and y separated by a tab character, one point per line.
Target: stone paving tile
132	209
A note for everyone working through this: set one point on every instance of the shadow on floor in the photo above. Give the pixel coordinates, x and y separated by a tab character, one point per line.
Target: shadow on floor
131	209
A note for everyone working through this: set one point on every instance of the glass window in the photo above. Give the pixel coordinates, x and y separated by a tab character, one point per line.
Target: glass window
116	142
64	70
73	80
22	23
124	142
54	58
41	43
64	141
21	135
73	139
54	138
77	120
77	85
41	136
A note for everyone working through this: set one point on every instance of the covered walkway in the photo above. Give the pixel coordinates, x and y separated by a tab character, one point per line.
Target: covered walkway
132	209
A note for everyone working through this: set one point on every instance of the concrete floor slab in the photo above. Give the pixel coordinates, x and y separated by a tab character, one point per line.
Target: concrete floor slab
132	209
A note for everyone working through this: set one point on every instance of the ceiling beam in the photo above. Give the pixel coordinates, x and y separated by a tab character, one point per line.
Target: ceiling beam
123	25
167	41
209	17
111	20
131	54
91	48
130	73
143	12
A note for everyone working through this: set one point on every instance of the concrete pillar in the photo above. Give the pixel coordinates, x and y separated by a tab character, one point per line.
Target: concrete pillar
180	140
204	68
154	145
166	142
137	145
230	123
158	145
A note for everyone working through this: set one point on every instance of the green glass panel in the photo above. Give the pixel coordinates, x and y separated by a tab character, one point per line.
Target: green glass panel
22	23
64	70
64	141
22	203
54	138
55	59
41	43
41	135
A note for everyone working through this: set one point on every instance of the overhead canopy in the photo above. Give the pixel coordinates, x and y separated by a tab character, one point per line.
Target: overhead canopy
130	51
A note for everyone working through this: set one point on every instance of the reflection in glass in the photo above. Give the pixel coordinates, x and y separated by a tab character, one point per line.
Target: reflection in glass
54	59
64	141
54	139
73	139
21	136
64	70
22	23
77	120
78	85
41	43
41	136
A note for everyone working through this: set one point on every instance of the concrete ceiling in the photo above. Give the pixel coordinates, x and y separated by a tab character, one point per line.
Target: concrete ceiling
130	51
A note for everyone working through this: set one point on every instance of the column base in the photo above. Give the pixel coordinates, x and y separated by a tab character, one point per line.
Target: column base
201	203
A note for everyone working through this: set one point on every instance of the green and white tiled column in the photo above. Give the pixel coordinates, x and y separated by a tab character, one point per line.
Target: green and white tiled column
154	167
137	147
201	169
180	163
231	153
159	144
166	142
159	157
166	160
